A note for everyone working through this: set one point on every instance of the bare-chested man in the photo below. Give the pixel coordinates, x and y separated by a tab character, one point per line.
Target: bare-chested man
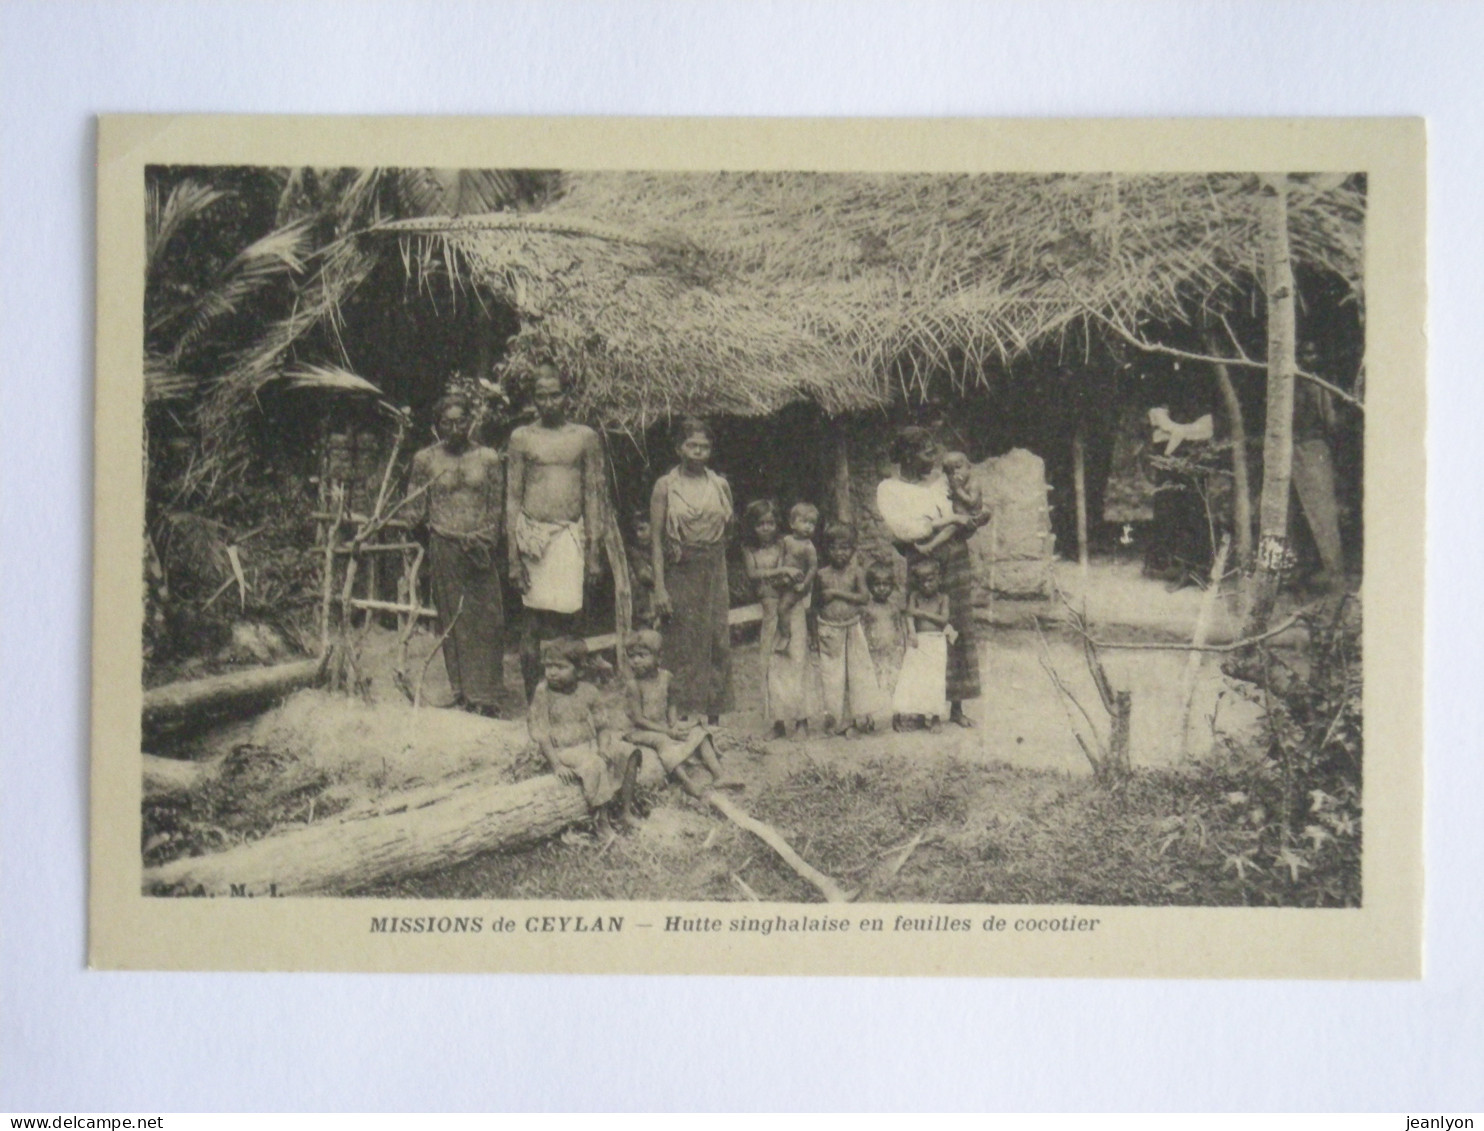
552	518
460	494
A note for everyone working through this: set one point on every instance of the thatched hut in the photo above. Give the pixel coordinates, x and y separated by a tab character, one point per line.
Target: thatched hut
813	311
1004	306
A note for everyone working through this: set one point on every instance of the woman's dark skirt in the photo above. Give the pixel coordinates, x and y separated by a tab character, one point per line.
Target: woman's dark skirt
697	641
466	585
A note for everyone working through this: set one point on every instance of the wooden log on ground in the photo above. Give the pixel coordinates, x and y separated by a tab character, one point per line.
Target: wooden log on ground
196	702
433	827
166	776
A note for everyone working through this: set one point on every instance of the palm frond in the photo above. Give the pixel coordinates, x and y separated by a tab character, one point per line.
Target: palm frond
328	377
164	382
165	217
281	252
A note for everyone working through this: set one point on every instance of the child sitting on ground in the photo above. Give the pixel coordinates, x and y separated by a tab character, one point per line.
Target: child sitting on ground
798	554
851	694
881	619
921	689
655	723
569	724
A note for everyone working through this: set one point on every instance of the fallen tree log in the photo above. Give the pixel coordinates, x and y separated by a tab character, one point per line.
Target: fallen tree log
418	830
195	702
166	776
422	829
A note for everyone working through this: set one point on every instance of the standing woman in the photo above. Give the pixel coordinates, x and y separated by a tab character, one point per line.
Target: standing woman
690	519
462	500
917	510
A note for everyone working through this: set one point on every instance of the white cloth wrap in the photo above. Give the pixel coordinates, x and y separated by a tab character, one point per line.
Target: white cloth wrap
555	560
922	683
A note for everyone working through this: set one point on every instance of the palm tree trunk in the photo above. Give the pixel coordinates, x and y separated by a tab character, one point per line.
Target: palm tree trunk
1277	471
1079	484
1241	474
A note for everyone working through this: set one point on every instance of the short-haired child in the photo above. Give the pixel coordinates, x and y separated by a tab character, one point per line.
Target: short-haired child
641	569
969	511
921	690
965	496
798	554
654	722
852	698
881	618
784	674
570	725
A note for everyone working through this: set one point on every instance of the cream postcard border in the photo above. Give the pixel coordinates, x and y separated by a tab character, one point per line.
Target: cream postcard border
1382	939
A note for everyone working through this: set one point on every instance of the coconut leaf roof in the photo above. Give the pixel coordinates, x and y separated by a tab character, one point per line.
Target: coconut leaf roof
740	292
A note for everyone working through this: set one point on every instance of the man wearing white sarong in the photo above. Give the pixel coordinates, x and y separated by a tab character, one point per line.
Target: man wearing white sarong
554	475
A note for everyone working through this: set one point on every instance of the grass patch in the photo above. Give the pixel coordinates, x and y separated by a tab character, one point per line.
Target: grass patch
1202	835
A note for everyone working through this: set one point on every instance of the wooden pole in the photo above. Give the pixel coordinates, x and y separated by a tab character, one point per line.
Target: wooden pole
1117	763
618	562
1241	475
327	581
844	510
1079	482
1277	451
1198	641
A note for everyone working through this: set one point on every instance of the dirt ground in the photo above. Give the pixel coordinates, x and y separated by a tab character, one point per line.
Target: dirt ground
1006	811
1020	719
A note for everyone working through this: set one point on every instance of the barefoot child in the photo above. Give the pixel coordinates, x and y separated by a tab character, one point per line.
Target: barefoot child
783	687
922	685
882	620
851	695
569	725
798	554
655	723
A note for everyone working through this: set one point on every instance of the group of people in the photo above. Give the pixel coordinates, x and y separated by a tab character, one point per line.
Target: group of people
831	621
876	654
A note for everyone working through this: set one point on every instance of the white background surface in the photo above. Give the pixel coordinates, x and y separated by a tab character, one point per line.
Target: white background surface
80	1041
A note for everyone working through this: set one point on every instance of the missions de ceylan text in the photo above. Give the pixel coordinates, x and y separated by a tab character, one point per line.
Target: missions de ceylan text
680	924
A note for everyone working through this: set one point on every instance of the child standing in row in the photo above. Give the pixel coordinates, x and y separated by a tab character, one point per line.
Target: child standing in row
654	721
883	624
852	696
569	724
799	555
784	673
921	690
641	570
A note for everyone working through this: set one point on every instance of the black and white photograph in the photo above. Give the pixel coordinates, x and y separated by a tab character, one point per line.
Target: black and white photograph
924	561
754	536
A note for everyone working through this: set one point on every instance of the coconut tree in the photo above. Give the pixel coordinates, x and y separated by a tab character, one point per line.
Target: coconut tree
203	280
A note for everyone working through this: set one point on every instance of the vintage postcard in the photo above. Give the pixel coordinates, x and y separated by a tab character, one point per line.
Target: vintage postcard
723	546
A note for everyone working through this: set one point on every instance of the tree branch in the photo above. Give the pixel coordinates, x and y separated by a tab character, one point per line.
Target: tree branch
1212	359
1181	646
